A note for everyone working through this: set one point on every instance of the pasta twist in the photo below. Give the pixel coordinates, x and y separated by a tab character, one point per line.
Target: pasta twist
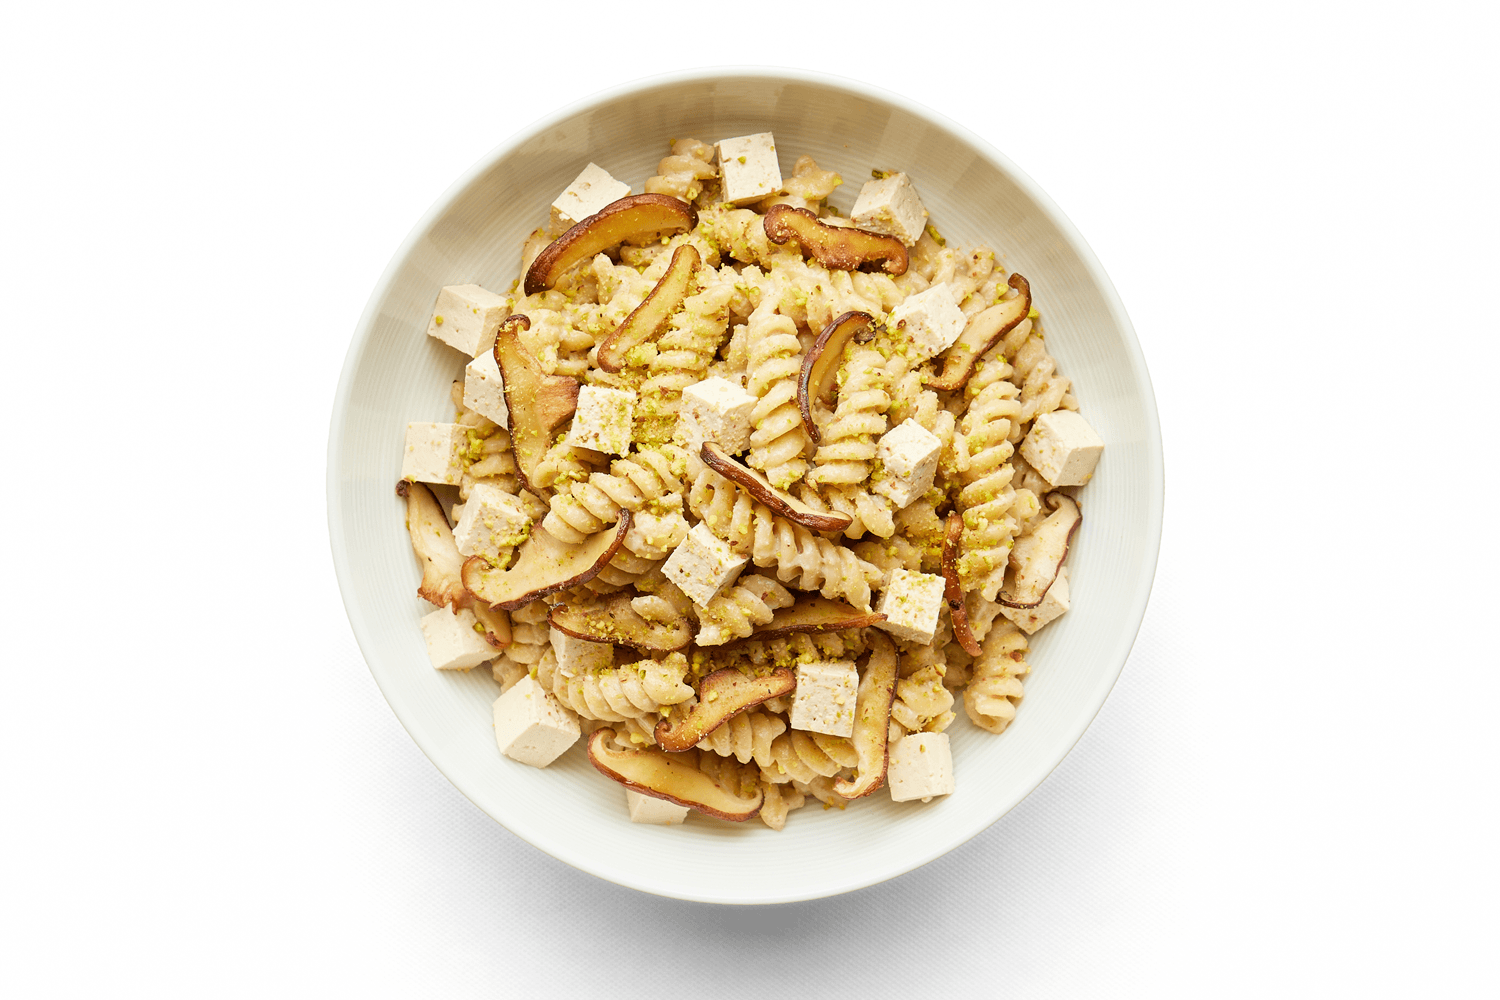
801	756
848	446
682	174
581	508
808	187
779	800
987	496
746	737
528	640
995	687
627	691
773	365
488	457
802	559
1042	389
922	702
735	613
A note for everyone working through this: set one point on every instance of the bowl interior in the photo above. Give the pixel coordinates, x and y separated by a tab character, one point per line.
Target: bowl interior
395	374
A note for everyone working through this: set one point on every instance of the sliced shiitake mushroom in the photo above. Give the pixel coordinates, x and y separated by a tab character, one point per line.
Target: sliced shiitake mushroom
538	402
872	720
432	541
651	316
612	619
982	332
635	217
1037	556
496	624
816	614
821	365
843	248
543	566
759	487
722	695
953	591
671	777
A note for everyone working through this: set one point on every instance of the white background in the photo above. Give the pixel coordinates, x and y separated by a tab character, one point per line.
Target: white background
1293	787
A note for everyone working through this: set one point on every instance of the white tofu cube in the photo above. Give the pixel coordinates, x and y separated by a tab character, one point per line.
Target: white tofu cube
921	766
434	453
703	565
716	410
455	641
466	317
484	389
579	656
603	419
1063	448
531	726
649	809
824	699
491	520
908	456
931	319
911	603
890	206
748	167
589	192
1029	620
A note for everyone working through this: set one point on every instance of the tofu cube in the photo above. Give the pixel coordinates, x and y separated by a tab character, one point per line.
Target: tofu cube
531	726
921	766
434	453
491	520
931	319
454	641
579	656
908	456
603	419
911	603
748	168
466	317
824	699
649	809
1063	448
589	192
890	206
716	410
484	389
1028	620
703	565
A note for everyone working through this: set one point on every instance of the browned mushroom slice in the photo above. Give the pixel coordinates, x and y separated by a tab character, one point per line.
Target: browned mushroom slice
632	218
671	777
842	248
651	316
872	719
983	332
432	541
538	402
722	695
953	591
821	365
816	614
1036	557
543	566
759	487
496	624
612	619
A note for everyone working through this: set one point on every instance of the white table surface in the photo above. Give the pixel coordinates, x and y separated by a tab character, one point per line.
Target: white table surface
1293	787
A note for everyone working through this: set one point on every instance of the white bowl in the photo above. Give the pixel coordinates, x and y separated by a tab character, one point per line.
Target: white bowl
394	374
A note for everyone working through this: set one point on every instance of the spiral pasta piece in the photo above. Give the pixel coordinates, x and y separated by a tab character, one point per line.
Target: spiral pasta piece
682	173
683	353
848	446
627	691
802	559
922	703
488	457
995	687
801	756
746	737
584	507
986	497
735	613
808	187
774	363
778	802
528	640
